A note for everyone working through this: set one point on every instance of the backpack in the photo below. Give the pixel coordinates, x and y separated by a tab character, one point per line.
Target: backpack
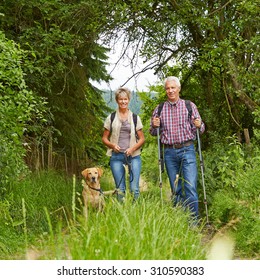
188	106
112	117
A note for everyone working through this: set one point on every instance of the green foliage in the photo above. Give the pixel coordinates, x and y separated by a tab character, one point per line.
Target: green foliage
223	161
232	184
150	100
15	242
212	46
19	111
62	57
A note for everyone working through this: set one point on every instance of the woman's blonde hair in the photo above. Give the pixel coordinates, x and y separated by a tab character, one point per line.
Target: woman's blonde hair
122	91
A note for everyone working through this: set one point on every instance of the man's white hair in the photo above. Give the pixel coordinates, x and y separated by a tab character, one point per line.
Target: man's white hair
172	78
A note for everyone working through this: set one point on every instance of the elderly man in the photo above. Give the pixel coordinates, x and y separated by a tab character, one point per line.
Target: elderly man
178	121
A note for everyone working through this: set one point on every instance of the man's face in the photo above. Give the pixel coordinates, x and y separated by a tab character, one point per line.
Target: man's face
172	91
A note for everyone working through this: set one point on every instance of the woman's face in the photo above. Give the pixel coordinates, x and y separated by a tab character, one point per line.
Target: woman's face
123	101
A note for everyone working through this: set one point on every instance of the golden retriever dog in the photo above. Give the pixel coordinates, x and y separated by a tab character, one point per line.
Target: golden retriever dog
93	195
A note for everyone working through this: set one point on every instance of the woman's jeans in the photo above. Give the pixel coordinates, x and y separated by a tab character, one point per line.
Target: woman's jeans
183	162
117	162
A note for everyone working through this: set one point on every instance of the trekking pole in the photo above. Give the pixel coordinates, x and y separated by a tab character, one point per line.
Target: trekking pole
159	159
202	174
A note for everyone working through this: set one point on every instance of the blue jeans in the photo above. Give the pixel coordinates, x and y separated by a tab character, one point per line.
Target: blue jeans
183	162
117	162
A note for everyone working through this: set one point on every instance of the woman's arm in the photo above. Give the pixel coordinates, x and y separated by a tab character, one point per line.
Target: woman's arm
106	141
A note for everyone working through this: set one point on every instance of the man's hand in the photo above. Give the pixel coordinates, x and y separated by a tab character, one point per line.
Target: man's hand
156	122
197	123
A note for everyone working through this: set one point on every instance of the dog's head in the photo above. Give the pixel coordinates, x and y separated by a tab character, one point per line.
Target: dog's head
92	175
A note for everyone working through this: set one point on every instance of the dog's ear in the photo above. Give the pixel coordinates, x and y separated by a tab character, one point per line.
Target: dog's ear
100	171
84	173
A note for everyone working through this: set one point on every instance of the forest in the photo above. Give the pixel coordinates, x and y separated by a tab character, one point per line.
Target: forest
52	115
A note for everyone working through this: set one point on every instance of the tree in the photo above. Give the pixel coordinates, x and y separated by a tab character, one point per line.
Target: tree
20	110
61	37
212	45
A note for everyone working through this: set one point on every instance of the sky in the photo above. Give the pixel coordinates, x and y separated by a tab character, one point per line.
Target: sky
122	72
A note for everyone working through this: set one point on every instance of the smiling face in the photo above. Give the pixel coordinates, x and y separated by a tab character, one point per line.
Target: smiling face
123	101
172	91
123	96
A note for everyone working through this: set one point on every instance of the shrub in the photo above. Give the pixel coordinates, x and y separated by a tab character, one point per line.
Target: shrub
18	107
235	195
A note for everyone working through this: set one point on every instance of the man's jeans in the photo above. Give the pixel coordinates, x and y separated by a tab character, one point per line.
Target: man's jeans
117	162
183	162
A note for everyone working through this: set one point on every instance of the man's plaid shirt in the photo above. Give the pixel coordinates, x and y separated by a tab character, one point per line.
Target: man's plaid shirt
176	128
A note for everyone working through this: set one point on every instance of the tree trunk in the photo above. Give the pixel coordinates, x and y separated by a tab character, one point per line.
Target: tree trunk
243	97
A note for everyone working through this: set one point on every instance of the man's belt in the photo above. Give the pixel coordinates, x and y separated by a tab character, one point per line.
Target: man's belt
178	146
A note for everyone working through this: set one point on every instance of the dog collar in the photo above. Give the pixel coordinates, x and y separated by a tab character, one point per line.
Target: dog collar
97	190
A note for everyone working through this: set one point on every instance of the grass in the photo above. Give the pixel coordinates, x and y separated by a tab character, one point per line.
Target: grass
45	212
41	218
146	230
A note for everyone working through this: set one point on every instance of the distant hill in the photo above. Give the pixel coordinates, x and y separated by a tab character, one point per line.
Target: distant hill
135	102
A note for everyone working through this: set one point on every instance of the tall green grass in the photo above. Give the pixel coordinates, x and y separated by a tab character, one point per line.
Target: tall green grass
232	185
23	218
147	229
43	213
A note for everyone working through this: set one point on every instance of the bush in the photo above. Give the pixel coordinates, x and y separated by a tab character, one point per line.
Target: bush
234	195
18	106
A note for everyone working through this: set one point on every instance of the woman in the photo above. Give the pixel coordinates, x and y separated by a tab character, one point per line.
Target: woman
124	139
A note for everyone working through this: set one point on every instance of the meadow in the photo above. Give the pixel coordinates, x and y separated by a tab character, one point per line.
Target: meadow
44	221
41	216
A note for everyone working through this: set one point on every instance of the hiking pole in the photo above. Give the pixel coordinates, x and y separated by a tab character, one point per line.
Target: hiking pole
159	159
202	174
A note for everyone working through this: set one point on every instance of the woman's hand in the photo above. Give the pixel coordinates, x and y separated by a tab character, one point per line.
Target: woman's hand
116	148
129	152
